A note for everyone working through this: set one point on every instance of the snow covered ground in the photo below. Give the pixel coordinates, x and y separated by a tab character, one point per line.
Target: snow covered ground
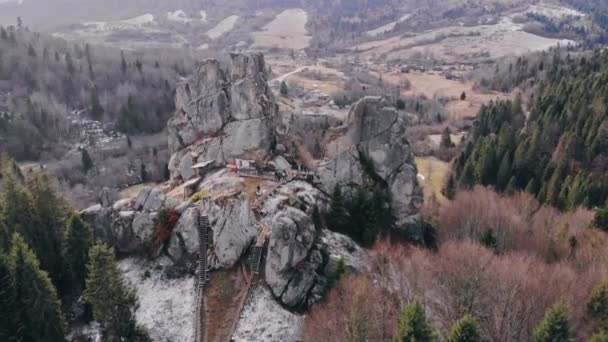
263	319
166	305
388	27
223	27
342	247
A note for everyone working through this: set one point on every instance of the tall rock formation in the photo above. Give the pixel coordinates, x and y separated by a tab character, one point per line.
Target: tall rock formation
222	114
372	150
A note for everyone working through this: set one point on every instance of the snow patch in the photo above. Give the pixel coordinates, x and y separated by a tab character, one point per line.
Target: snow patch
341	247
166	306
131	23
388	27
178	15
263	319
181	16
553	11
203	47
18	2
223	27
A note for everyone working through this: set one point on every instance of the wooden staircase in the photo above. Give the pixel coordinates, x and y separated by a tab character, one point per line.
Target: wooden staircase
202	279
256	258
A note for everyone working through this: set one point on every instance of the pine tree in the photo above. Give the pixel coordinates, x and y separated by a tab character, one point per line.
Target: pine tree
450	188
554	327
17	213
112	300
511	187
284	89
599	337
31	51
51	212
69	63
465	330
35	295
597	307
504	172
87	162
96	108
9	325
338	215
413	326
78	240
600	219
446	139
467	180
123	63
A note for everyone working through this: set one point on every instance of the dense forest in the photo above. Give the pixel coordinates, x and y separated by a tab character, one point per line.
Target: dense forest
557	151
47	86
48	259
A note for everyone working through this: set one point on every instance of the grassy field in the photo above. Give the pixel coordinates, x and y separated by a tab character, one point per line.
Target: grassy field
432	175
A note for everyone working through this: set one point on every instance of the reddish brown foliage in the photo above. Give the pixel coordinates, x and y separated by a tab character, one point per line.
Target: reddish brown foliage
165	223
520	224
507	294
356	310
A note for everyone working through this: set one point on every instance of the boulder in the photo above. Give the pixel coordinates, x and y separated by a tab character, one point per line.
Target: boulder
184	238
291	264
143	227
234	229
154	201
125	238
100	220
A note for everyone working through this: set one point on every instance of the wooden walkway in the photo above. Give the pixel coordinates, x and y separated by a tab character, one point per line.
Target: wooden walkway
203	278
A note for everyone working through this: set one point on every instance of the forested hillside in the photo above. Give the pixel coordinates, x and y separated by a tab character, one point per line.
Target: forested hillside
48	86
559	151
48	260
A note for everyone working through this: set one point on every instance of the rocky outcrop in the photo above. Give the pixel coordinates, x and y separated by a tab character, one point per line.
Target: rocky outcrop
374	151
221	114
128	225
295	261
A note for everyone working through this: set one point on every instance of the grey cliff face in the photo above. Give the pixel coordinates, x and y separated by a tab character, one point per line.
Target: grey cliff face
222	114
374	149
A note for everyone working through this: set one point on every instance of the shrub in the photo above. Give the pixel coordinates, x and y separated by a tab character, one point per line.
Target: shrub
165	223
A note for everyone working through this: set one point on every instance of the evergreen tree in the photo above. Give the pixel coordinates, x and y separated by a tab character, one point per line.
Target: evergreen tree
51	212
450	188
123	63
599	337
600	219
463	96
9	324
465	330
597	307
489	240
78	241
446	139
284	89
467	180
40	309
69	63
338	215
87	162
511	187
554	327
31	51
96	108
504	172
112	300
413	326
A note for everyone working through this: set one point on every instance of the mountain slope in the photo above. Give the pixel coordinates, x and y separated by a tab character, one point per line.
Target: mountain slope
560	151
